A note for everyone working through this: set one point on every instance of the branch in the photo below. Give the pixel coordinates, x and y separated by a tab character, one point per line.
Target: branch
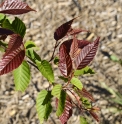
53	51
32	64
80	107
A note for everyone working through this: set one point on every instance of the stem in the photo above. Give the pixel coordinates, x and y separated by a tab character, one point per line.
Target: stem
79	105
32	64
75	97
69	80
58	44
79	108
76	104
53	51
52	120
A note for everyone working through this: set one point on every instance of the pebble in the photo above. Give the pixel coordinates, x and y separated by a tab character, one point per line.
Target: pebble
25	97
113	23
12	112
119	36
117	122
20	102
45	84
105	57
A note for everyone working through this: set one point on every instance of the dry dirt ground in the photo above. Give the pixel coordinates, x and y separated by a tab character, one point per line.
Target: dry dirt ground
104	19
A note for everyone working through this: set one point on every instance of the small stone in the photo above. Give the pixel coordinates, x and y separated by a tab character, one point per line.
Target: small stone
12	92
46	85
117	122
30	104
103	47
6	93
105	57
25	97
113	23
20	102
119	36
12	112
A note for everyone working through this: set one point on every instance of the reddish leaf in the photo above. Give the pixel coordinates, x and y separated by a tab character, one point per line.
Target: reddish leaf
74	50
82	43
62	30
67	44
65	62
67	110
14	43
94	115
14	7
4	31
86	55
3	37
76	31
14	55
85	93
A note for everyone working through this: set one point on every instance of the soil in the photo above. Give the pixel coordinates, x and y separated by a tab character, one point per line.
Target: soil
101	17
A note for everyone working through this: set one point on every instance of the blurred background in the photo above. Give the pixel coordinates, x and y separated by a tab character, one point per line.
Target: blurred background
102	18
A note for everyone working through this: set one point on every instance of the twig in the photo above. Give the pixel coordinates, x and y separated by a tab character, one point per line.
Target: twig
53	51
75	97
32	64
80	107
52	120
69	80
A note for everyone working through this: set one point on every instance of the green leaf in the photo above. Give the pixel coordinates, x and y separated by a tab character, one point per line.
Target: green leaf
56	91
63	78
85	70
2	49
46	70
117	100
86	102
22	76
41	96
76	82
43	105
114	58
61	103
32	55
6	24
103	84
44	111
17	26
2	17
3	44
44	96
29	44
83	120
56	60
48	96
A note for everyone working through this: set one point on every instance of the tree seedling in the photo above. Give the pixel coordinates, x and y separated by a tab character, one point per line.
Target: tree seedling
74	56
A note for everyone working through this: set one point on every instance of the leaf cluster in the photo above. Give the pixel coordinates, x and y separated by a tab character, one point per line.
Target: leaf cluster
74	56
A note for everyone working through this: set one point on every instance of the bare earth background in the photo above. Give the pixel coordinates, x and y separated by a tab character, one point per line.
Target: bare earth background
104	19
